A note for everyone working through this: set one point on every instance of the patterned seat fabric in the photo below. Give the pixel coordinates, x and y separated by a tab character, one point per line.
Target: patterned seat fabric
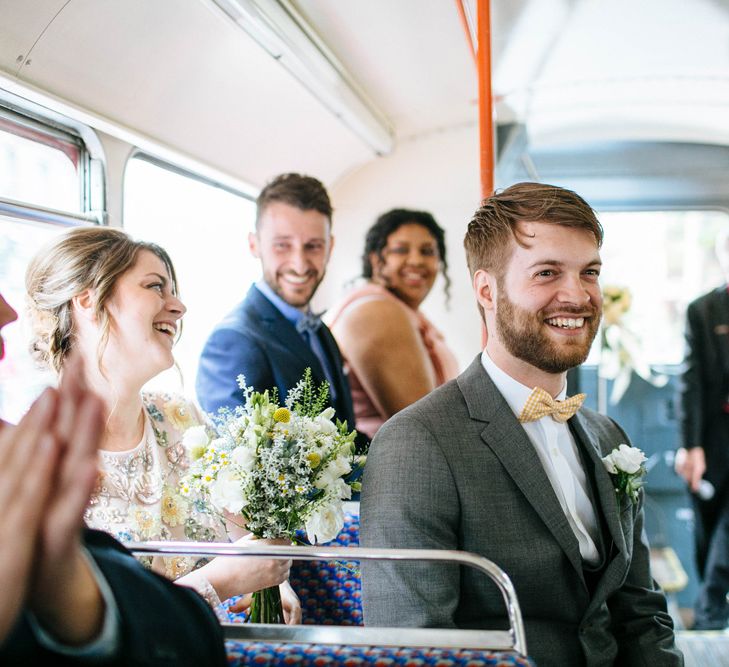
330	592
259	654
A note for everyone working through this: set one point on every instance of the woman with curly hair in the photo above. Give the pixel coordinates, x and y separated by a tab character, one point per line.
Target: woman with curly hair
394	354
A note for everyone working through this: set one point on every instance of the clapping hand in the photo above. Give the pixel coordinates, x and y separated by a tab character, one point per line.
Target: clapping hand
28	455
64	594
47	470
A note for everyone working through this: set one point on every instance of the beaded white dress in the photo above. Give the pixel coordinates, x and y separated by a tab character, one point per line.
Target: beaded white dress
136	495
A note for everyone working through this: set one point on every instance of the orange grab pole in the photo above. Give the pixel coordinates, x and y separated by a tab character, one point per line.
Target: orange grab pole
482	58
485	110
485	104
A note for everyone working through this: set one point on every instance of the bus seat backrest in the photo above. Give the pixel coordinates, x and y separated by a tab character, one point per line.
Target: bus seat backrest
331	592
260	654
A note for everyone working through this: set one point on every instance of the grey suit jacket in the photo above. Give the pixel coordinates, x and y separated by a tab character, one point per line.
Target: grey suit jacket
457	471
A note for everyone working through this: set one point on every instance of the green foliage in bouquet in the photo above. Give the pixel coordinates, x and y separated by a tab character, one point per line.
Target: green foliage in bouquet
280	468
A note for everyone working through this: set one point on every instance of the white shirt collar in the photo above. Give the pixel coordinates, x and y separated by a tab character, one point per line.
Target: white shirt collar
557	451
514	392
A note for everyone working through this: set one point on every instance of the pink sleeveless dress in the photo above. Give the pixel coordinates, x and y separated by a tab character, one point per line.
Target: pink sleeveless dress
368	418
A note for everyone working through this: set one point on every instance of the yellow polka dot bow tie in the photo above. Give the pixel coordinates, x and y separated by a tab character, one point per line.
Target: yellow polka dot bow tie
540	404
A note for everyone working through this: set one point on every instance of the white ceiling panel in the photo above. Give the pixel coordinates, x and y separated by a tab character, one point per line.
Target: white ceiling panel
21	24
410	55
182	73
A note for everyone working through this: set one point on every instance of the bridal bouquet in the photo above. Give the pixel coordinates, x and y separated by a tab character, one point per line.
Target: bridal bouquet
281	468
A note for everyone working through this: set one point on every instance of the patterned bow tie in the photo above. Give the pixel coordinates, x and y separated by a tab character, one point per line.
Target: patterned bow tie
309	323
540	404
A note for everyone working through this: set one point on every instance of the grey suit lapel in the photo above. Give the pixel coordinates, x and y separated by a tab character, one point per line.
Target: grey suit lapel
618	559
510	444
605	488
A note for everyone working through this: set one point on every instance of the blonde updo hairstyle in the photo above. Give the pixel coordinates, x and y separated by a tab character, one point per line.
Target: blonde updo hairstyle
80	259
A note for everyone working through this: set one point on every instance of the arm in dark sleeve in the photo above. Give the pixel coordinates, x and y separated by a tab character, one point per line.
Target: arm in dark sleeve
161	622
642	626
227	354
693	381
409	500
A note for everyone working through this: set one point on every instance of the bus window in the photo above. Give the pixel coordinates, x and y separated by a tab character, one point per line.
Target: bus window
39	167
20	378
42	177
205	229
667	259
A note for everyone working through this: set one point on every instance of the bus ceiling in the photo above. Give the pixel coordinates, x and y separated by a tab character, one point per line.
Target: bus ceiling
250	88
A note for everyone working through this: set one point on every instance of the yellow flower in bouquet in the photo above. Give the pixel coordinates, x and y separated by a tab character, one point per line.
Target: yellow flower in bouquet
281	468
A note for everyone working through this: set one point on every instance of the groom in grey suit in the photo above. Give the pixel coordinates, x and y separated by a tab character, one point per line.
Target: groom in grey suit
471	466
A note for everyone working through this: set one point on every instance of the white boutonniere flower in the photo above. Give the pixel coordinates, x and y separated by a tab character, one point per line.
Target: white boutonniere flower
625	464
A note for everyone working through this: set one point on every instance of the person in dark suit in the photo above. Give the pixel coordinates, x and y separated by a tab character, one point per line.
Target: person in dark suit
272	336
498	462
703	461
74	596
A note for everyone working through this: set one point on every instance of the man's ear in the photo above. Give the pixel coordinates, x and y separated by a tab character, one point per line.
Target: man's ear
484	288
84	305
253	244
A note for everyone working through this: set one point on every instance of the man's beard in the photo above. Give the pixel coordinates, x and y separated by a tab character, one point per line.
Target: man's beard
523	334
289	294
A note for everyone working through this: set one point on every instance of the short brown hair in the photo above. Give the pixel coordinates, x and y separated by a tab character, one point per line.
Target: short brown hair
304	192
495	223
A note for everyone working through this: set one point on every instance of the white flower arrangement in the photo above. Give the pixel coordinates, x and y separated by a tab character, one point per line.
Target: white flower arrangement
625	464
621	351
280	468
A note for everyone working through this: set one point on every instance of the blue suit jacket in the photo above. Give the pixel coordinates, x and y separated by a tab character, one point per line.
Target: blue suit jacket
257	341
161	623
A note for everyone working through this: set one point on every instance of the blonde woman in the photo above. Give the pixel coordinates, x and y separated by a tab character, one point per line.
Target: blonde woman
114	300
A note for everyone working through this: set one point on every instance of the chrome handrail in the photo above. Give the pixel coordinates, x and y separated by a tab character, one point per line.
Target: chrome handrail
26	211
215	549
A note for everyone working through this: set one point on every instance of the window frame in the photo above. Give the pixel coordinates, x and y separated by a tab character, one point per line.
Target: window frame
36	122
139	154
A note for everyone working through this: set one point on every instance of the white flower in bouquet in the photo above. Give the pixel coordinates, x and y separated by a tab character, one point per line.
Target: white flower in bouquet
334	471
325	523
280	468
226	492
195	440
244	457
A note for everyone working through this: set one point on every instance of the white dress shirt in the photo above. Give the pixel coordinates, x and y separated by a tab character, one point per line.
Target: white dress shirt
560	459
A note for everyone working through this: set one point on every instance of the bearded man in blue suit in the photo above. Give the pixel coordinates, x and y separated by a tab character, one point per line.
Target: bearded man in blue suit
273	336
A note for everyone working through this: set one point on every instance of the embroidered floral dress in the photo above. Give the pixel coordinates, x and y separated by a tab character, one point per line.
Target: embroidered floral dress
136	495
